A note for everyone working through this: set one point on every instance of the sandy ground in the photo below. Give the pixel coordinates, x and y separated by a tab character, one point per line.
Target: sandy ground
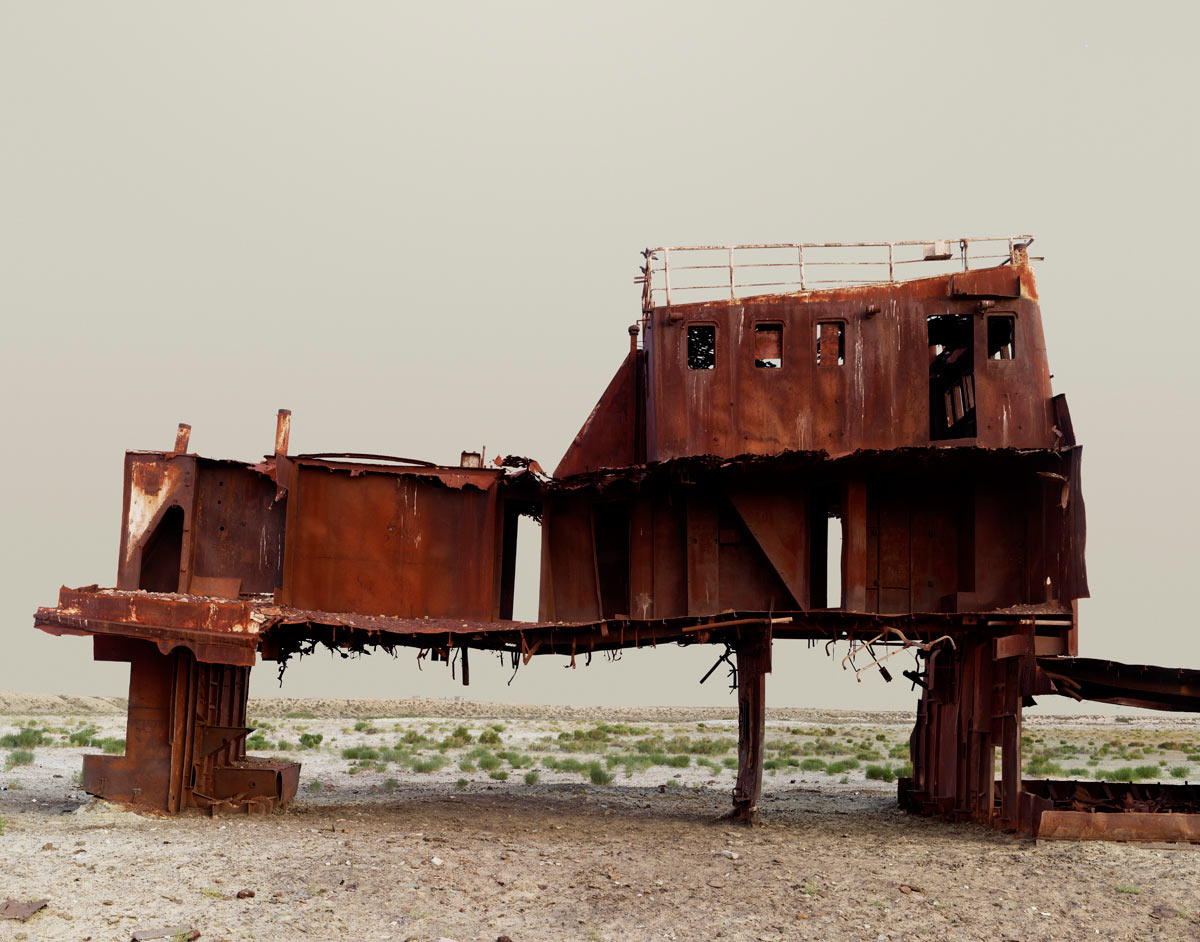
378	850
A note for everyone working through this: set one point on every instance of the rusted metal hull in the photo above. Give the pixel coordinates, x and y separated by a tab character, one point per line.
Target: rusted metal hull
901	435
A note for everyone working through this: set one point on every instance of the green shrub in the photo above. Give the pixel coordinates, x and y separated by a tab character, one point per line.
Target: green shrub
432	764
1077	772
112	747
285	746
1147	771
18	757
466	765
457	739
489	762
461	783
812	765
360	752
310	740
391	783
24	739
301	715
903	771
489	736
83	737
1180	771
258	741
599	775
880	773
531	777
500	776
840	766
314	786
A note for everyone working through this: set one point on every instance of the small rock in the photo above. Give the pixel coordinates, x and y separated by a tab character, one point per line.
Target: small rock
732	855
503	938
49	847
437	861
245	894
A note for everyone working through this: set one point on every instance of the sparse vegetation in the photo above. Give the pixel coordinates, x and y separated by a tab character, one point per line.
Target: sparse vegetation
881	773
18	757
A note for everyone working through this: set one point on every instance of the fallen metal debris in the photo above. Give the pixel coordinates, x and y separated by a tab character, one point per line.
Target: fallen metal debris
21	909
180	933
846	457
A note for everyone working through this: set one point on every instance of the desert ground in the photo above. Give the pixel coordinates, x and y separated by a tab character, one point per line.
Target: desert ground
445	819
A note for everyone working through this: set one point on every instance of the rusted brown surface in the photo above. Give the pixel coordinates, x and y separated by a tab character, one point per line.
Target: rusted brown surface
1137	685
703	501
876	397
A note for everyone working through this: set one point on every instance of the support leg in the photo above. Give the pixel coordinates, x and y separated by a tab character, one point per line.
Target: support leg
185	738
753	664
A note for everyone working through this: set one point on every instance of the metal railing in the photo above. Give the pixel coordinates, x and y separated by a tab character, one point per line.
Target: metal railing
685	273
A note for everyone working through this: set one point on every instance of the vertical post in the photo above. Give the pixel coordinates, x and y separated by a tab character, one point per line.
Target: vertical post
1010	744
753	665
283	431
182	436
854	546
667	274
732	292
800	259
891	262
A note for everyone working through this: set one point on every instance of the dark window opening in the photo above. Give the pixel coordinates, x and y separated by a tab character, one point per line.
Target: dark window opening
162	553
768	346
951	376
825	552
831	343
702	347
1002	337
610	528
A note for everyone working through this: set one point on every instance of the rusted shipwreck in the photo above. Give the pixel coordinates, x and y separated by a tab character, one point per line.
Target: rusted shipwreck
803	442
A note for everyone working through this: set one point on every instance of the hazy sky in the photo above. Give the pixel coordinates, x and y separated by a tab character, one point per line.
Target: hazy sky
416	226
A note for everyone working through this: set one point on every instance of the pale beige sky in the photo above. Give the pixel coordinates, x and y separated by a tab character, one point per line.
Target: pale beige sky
416	226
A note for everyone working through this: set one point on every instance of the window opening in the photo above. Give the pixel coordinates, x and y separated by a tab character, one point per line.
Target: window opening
1002	337
610	530
702	347
833	561
831	343
162	554
768	346
951	376
825	551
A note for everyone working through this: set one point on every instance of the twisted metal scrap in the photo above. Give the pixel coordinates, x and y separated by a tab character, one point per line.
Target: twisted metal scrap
904	643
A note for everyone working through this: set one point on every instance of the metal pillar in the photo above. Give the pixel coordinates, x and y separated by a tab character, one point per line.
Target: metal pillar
753	664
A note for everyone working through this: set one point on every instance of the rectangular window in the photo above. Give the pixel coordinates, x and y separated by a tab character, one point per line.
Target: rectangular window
768	346
951	376
702	347
1002	337
831	343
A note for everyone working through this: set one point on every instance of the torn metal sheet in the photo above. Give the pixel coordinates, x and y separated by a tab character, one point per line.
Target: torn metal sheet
1136	685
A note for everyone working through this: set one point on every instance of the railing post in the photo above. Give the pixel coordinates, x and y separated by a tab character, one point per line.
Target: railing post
667	273
732	292
800	256
891	262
